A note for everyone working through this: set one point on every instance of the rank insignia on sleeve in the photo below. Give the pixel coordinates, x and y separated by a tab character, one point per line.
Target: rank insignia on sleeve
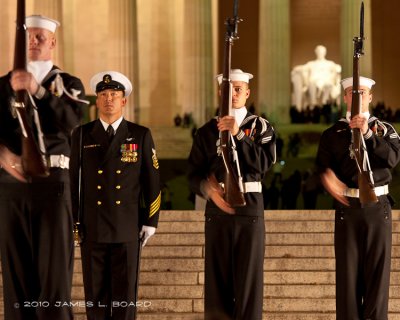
129	152
155	160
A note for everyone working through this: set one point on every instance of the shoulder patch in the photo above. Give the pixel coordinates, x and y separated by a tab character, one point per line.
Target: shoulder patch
155	160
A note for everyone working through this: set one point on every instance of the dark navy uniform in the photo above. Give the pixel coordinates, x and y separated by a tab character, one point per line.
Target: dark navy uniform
234	253
363	236
36	217
114	182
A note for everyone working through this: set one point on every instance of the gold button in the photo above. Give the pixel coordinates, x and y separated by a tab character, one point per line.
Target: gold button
118	202
99	187
99	203
100	171
118	171
118	187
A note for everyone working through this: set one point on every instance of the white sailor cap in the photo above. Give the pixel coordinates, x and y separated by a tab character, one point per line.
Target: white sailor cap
39	21
111	80
236	75
365	82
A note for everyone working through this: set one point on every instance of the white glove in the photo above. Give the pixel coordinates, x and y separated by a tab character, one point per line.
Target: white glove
146	233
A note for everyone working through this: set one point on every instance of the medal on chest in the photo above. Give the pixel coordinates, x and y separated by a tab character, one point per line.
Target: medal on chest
129	152
250	133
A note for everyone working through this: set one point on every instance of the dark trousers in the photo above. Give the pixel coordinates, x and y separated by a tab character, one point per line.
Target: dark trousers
234	259
109	277
36	249
363	240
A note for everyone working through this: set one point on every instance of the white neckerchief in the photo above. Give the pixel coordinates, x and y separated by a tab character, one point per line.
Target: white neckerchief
239	115
40	69
363	114
115	124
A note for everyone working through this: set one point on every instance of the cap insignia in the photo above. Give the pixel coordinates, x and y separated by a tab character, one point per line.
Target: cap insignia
107	78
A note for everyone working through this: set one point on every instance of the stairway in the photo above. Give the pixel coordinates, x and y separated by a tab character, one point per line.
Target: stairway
299	279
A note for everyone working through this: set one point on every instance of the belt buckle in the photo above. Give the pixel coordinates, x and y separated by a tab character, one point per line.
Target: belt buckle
351	192
61	161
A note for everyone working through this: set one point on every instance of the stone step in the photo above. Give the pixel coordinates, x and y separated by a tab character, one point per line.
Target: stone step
190	239
316	251
276	305
271	226
278	291
163	316
270	278
271	251
269	215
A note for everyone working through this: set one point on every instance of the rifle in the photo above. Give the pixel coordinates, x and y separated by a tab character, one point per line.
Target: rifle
357	149
233	187
33	160
78	227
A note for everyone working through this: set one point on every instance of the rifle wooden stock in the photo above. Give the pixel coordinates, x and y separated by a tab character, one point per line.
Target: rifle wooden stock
31	158
232	192
33	161
366	189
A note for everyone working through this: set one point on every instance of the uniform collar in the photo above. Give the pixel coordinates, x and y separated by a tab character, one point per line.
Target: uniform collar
365	114
40	69
115	124
239	115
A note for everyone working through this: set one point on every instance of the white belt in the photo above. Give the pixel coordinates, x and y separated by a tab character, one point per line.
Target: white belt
355	193
59	161
254	186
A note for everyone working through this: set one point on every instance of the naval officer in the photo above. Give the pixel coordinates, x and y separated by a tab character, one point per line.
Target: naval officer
116	198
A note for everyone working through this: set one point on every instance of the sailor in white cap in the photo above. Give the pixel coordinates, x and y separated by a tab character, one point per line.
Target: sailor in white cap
233	238
36	237
366	94
41	43
236	75
363	233
111	80
119	173
240	93
42	22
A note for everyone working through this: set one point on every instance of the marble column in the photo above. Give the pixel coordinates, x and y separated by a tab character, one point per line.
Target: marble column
350	28
53	10
198	82
161	60
123	41
8	15
274	60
